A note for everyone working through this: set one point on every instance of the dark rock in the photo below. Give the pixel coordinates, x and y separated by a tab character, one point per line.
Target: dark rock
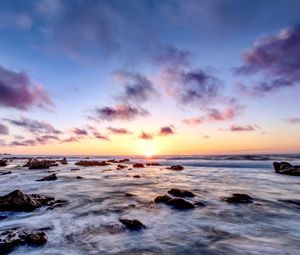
153	164
3	162
12	239
53	164
38	164
291	201
64	161
180	203
162	199
132	224
199	203
238	198
129	195
20	202
79	177
136	176
121	166
176	168
51	177
75	169
123	160
5	172
91	163
181	193
138	165
286	168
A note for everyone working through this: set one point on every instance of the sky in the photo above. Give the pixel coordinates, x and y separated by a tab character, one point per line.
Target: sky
149	77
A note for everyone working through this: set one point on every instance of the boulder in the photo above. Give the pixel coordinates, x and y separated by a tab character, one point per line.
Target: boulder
238	198
121	166
5	172
176	168
162	199
123	160
3	162
153	164
132	224
78	177
180	203
64	161
12	239
91	163
138	165
286	168
17	201
51	177
136	176
38	164
181	193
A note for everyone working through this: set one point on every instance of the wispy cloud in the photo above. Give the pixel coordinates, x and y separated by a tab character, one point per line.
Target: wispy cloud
3	129
241	128
118	131
293	120
145	136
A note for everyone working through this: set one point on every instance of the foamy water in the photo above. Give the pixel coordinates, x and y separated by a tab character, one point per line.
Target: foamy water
85	225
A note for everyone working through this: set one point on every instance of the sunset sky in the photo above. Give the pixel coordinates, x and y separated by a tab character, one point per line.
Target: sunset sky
149	77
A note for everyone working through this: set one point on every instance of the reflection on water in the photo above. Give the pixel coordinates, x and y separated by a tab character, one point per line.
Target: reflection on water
89	224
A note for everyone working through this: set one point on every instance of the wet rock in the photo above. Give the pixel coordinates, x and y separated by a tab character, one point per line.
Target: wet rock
132	224
123	160
121	167
199	203
112	161
64	161
129	195
291	201
286	168
180	203
238	198
5	172
162	199
91	163
176	167
53	164
3	162
51	177
153	164
75	169
138	165
19	202
79	177
12	239
181	193
38	164
56	203
136	176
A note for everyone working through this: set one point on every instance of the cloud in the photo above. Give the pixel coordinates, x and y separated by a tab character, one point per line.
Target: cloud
71	139
145	136
100	136
276	58
79	131
125	112
239	128
119	131
138	88
193	121
166	131
293	120
34	126
3	130
17	91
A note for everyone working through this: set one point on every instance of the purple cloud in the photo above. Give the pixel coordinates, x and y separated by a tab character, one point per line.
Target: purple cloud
34	126
145	136
293	120
238	128
79	131
17	91
125	112
138	88
3	129
100	136
276	56
166	131
119	131
193	121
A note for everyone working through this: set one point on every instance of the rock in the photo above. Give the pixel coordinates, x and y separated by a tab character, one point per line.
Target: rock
153	164
238	198
121	166
38	164
53	164
5	172
138	165
136	176
75	169
180	203
199	203
64	161
91	163
79	177
51	177
176	168
286	168
3	162
123	160
17	201
132	224
181	193
12	239
162	199
291	201
128	195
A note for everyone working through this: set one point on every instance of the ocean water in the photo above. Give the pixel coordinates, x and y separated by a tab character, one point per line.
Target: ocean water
88	223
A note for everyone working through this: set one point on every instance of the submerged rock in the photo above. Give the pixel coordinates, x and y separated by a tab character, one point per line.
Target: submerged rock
132	224
38	164
91	163
12	239
153	164
64	161
286	168
162	199
181	193
3	162
136	176
5	172
79	177
238	198
51	177
123	160
121	167
19	202
180	203
176	167
138	165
